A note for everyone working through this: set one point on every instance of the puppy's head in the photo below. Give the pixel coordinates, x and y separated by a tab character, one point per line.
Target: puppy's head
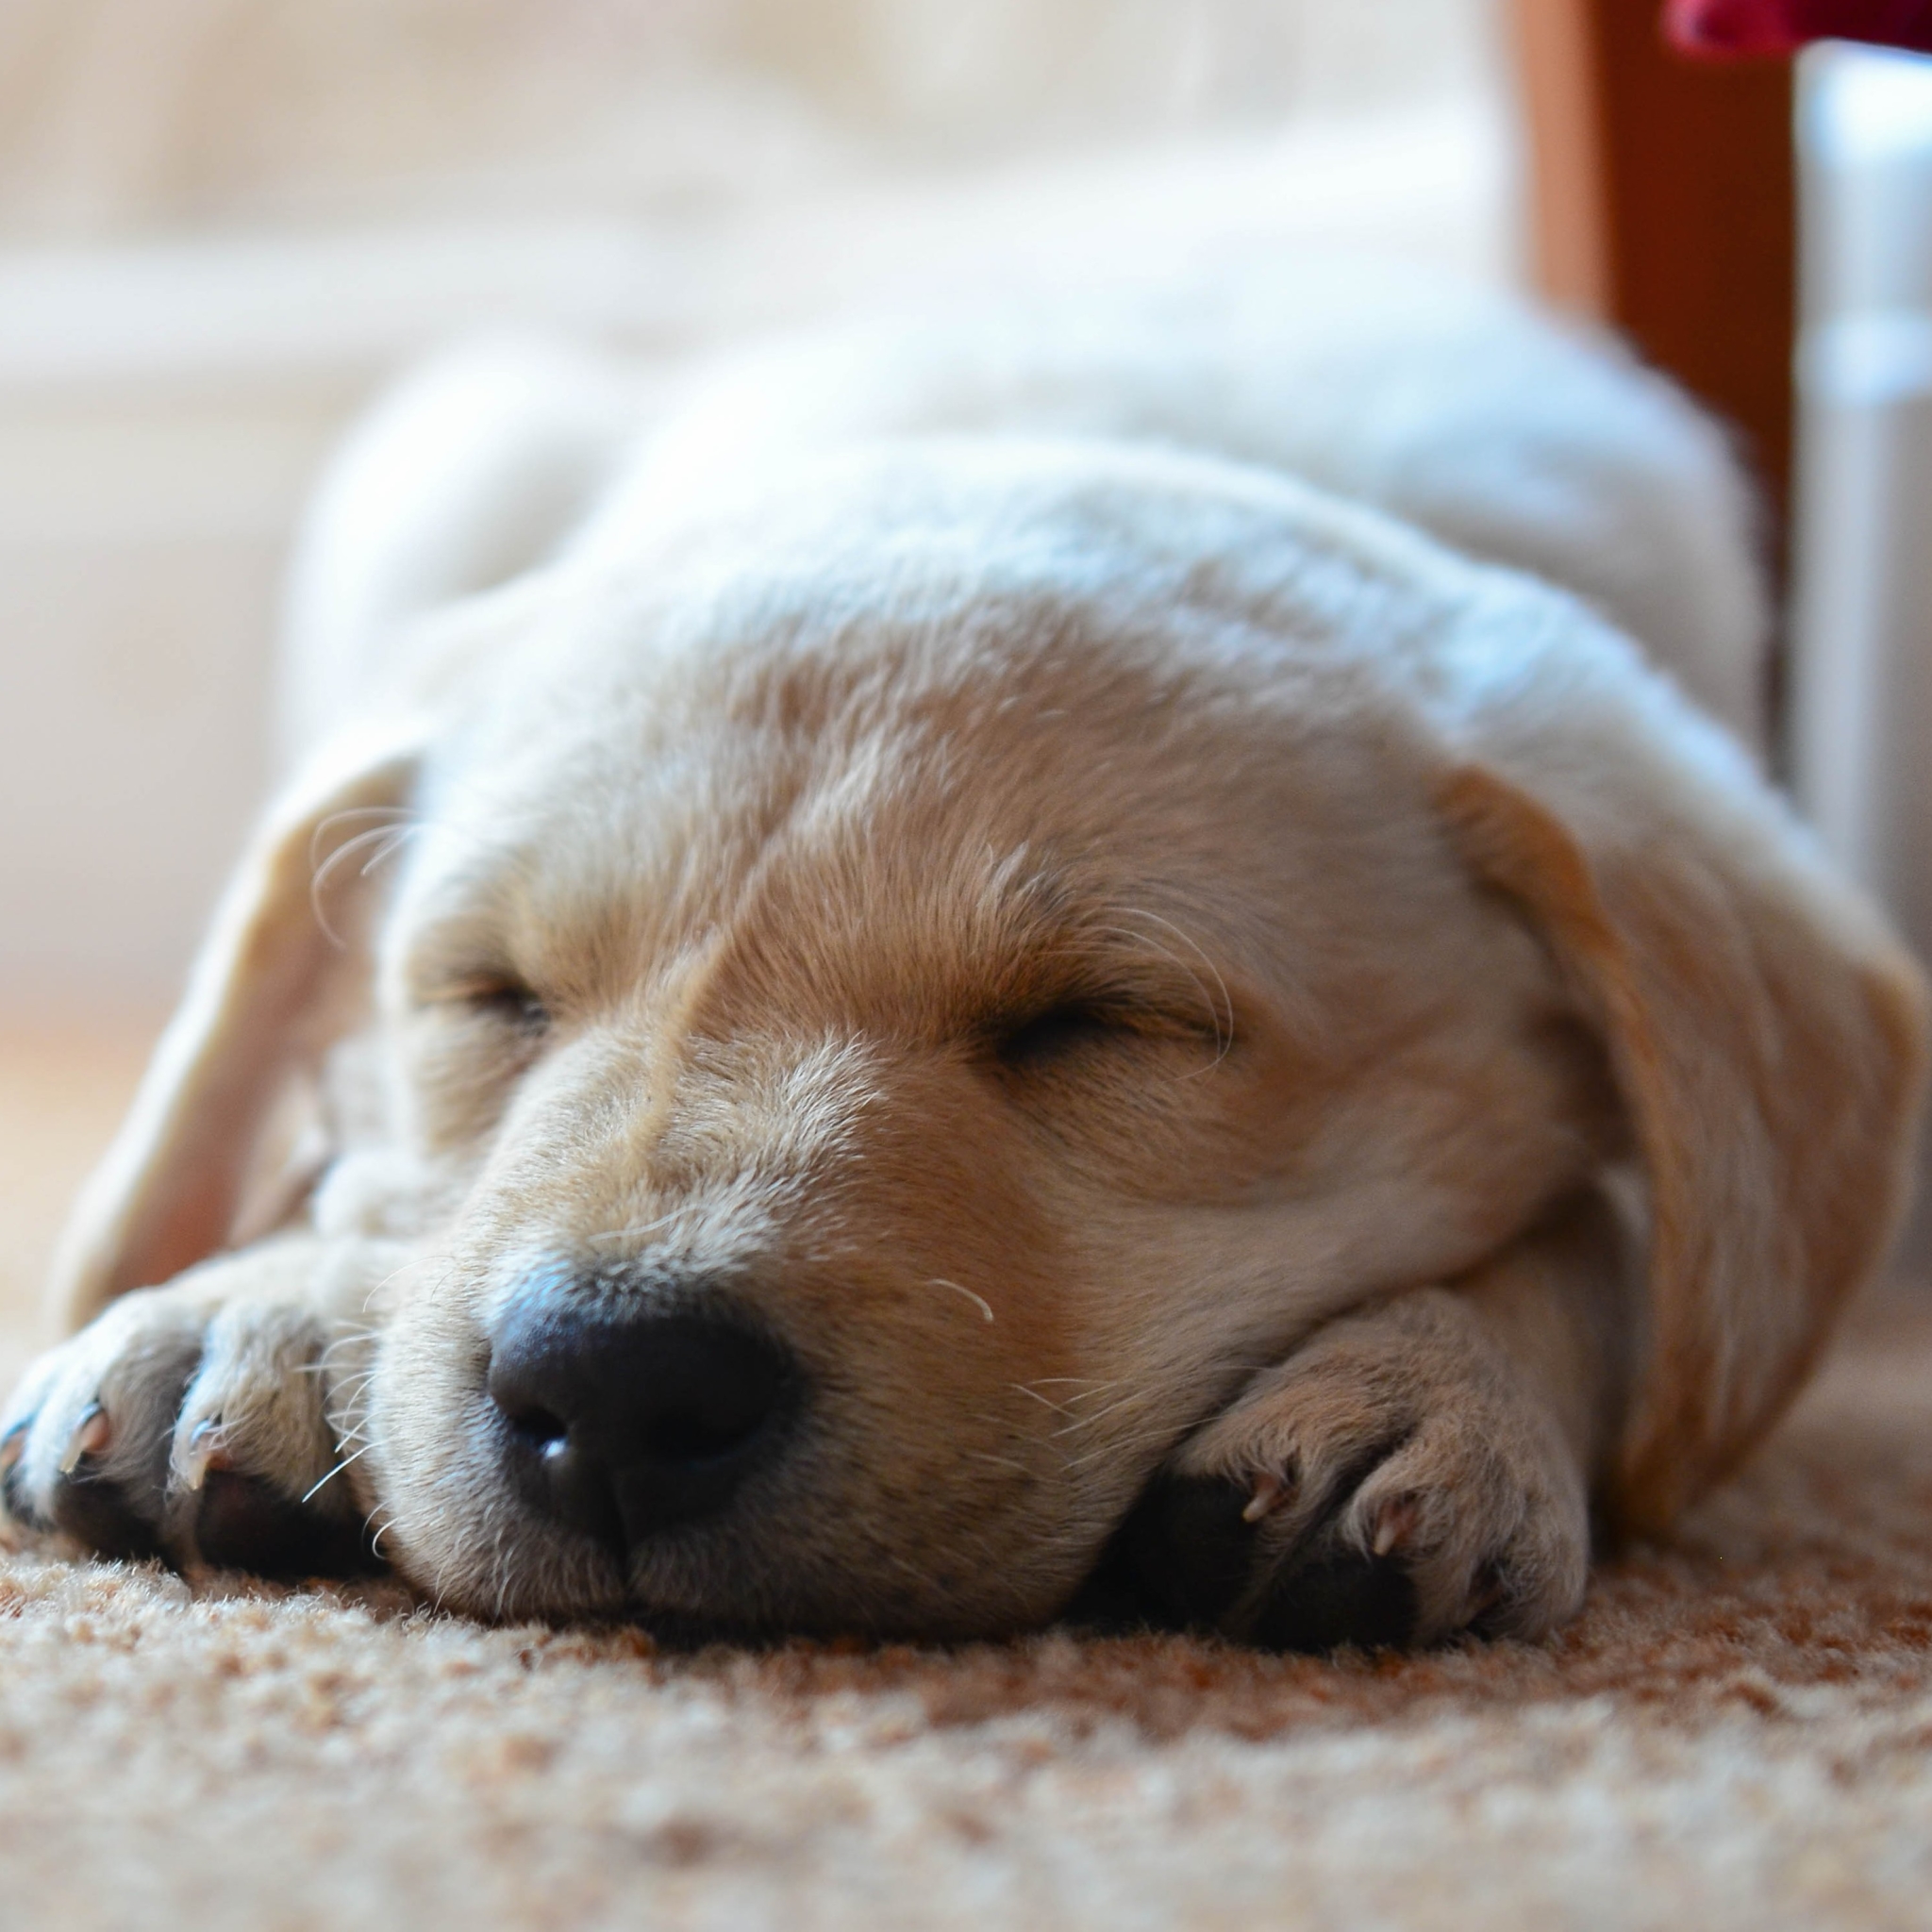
906	991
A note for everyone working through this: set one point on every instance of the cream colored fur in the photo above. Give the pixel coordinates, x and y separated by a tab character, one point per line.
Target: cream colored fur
1481	1096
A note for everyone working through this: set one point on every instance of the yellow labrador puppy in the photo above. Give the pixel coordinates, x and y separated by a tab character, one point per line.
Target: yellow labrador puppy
1069	942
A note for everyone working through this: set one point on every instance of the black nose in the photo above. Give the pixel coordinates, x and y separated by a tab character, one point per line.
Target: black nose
625	1420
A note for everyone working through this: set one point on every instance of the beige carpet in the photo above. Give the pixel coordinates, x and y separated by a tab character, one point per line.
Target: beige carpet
1737	1733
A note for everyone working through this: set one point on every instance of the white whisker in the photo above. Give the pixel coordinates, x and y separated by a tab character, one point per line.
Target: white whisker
1100	1415
979	1301
386	840
1046	1401
339	1469
639	1231
1221	1012
448	1261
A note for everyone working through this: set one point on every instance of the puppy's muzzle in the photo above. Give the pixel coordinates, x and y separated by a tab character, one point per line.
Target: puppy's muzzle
623	1419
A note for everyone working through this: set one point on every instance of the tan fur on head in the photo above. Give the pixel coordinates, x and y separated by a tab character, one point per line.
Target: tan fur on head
1037	928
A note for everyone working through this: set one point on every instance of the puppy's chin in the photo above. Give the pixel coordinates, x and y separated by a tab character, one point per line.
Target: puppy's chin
753	1576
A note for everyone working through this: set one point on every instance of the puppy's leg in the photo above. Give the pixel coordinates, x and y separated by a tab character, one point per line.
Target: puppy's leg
1416	1469
208	1419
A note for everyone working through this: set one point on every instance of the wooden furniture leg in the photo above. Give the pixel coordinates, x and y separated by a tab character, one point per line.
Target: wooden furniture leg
1664	204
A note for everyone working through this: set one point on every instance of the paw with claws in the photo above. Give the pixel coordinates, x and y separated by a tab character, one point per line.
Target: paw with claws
1396	1481
209	1422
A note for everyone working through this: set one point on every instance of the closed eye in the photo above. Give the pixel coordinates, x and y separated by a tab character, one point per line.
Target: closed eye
1058	1034
1073	1032
507	1002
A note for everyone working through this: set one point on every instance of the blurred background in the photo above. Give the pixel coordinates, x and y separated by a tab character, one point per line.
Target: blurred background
225	223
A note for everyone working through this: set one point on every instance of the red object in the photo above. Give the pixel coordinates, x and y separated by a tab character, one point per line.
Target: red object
1781	26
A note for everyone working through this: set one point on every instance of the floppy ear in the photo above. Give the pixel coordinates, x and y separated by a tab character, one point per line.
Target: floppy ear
272	987
1766	1031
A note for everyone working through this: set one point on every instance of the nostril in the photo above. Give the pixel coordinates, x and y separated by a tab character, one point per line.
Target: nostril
622	1417
701	1435
535	1425
706	1393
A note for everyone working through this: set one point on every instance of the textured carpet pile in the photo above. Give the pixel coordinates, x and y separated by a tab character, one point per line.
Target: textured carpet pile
1736	1732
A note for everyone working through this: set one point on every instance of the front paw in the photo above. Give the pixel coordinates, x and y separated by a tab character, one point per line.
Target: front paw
1395	1481
201	1422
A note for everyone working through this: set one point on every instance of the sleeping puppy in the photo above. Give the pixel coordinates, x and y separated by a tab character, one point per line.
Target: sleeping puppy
1073	942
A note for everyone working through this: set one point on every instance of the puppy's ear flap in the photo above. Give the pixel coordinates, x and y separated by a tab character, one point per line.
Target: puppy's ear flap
279	979
1766	1032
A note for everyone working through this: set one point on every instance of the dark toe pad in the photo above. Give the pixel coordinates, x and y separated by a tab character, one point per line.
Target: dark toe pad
245	1523
1204	1566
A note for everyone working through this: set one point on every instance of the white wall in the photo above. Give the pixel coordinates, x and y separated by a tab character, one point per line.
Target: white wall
141	543
1863	674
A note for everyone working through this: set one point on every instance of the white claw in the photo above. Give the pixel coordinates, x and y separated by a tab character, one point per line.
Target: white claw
90	1435
1397	1520
1270	1491
206	1449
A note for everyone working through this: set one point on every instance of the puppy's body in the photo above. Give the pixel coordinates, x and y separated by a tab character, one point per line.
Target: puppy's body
955	889
1448	407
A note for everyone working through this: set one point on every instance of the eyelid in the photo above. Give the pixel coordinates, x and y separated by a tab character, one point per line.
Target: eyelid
1057	1027
1157	1006
492	990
